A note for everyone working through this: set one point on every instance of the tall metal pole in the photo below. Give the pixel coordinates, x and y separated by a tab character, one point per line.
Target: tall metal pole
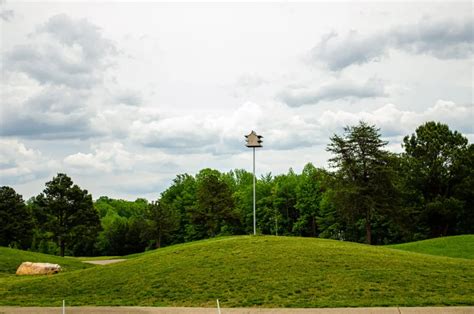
254	216
254	140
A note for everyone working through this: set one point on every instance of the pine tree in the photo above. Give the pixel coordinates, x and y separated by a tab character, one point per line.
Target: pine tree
363	179
69	213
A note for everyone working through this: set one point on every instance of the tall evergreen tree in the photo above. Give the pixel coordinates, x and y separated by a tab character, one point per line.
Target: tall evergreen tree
69	213
15	221
163	221
363	183
214	205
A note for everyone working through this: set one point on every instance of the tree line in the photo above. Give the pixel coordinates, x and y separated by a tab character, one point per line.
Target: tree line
369	195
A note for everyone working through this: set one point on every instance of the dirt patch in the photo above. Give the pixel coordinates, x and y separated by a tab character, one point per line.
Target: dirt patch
105	261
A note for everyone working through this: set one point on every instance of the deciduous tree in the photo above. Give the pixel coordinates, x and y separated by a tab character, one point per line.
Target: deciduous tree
308	193
436	163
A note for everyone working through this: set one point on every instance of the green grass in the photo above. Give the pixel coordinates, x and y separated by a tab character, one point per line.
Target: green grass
10	259
262	271
456	246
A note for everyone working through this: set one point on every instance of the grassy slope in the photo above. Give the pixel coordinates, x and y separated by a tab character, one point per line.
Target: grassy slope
456	246
258	271
10	259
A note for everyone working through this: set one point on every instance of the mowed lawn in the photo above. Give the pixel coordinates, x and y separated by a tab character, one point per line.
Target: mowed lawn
456	246
257	271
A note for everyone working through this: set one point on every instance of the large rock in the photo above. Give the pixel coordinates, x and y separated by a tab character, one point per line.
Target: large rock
29	268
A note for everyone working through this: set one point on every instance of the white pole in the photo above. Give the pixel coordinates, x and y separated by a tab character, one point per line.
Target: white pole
64	306
254	216
218	307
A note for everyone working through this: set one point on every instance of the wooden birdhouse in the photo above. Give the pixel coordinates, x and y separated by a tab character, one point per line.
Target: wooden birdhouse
253	140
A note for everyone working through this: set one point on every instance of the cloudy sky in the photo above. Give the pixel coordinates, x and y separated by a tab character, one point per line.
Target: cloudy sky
124	96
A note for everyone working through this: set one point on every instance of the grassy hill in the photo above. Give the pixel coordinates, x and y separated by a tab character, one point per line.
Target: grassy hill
10	259
456	246
261	271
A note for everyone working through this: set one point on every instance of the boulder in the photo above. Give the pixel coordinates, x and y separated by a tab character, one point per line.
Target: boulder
29	268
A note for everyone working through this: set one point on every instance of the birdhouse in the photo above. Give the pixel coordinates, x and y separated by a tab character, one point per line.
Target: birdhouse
253	140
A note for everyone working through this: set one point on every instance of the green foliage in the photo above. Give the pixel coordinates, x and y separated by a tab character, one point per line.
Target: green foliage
214	205
438	165
372	196
123	208
163	221
180	197
15	220
329	221
241	183
284	200
363	187
309	192
369	198
464	191
68	214
268	218
125	226
262	271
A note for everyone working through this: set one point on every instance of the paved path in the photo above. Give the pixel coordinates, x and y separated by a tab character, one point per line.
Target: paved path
197	310
105	261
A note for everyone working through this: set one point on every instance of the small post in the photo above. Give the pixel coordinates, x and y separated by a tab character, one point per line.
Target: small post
218	307
64	306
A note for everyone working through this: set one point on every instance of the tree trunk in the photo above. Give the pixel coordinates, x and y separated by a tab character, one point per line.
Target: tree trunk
61	246
368	231
313	227
158	241
445	231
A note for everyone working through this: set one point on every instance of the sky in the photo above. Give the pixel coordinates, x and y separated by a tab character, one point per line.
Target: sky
123	96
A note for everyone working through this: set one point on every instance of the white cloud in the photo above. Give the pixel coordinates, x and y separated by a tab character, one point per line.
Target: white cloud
125	116
459	117
116	158
338	52
60	112
248	81
443	39
129	97
63	51
188	133
340	89
395	122
104	158
19	164
53	86
6	15
282	127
